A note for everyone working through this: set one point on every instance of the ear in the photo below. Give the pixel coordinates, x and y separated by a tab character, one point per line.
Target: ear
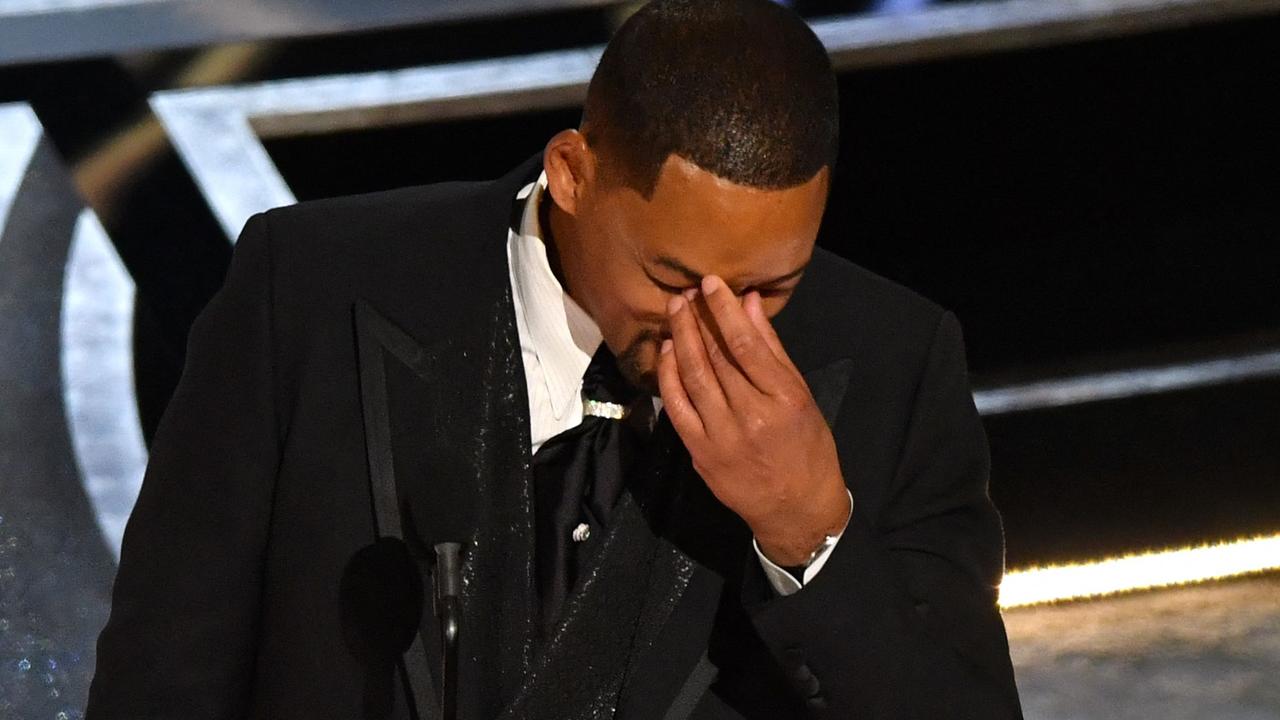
571	168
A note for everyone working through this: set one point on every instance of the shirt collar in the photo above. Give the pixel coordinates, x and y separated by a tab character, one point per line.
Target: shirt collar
562	334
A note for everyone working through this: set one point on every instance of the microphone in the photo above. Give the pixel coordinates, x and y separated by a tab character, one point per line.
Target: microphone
380	598
447	581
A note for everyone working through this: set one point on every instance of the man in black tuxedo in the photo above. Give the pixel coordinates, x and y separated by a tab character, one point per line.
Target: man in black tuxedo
801	526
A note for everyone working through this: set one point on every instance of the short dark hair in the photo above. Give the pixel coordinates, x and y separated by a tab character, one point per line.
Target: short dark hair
741	88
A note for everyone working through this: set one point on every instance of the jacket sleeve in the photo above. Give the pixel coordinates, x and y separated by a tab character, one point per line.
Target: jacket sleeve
903	621
179	642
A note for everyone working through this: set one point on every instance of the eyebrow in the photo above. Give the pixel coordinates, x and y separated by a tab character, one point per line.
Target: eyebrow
695	276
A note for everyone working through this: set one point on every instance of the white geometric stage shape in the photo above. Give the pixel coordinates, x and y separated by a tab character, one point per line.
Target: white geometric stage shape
96	337
211	128
21	132
1096	387
97	377
1142	571
33	7
908	31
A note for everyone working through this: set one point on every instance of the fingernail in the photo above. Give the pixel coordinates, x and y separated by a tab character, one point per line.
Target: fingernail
710	284
673	305
666	346
690	294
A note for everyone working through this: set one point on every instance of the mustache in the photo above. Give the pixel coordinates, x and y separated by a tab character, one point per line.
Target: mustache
651	335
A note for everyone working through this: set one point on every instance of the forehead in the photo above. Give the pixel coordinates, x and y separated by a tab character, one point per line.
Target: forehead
716	226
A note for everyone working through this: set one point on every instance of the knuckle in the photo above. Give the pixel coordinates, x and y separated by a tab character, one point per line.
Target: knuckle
700	467
794	405
714	353
797	393
696	376
756	426
667	382
741	344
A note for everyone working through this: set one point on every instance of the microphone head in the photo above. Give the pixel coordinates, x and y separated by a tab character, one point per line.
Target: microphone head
380	598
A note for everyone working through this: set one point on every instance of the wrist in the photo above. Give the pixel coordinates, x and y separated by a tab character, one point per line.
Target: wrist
797	543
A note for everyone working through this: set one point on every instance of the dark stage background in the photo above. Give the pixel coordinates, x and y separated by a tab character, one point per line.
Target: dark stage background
1091	186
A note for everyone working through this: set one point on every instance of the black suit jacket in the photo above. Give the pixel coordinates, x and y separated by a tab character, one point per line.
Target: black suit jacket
359	376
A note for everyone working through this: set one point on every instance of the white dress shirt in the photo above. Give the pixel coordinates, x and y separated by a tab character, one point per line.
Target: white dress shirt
558	339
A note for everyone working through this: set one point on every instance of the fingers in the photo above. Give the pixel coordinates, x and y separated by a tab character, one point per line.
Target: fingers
738	390
742	339
684	418
695	371
755	311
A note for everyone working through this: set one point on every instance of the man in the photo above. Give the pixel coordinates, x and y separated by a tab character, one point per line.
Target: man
803	529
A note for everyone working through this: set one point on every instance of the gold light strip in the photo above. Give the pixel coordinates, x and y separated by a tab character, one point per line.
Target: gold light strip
1139	572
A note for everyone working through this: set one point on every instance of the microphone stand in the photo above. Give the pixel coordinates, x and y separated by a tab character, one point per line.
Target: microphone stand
448	605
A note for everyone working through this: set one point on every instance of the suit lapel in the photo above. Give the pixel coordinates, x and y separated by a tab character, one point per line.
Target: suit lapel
828	385
377	340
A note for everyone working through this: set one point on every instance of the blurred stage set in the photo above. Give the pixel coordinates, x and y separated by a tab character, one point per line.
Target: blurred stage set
1092	185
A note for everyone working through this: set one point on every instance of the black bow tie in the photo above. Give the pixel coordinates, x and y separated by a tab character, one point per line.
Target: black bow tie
579	474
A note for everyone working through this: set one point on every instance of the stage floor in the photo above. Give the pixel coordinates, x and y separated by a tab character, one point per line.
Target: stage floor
1207	651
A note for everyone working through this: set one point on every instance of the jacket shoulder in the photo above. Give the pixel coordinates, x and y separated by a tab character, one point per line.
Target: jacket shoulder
413	234
377	213
413	214
429	257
